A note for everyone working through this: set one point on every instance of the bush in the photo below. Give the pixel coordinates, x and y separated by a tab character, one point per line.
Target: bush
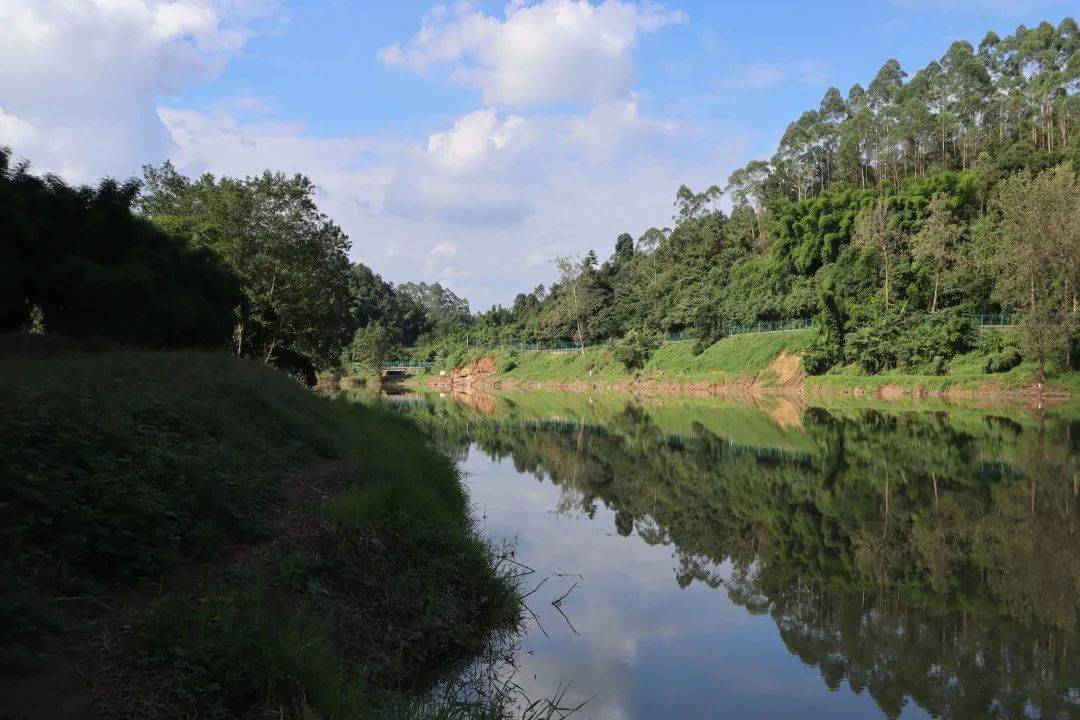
1003	361
508	363
823	353
901	341
635	349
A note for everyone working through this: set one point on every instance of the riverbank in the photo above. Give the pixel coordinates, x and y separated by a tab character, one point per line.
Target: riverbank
187	534
741	366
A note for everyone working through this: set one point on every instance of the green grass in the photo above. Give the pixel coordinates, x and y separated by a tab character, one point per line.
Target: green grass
736	357
965	374
118	464
743	357
426	487
121	465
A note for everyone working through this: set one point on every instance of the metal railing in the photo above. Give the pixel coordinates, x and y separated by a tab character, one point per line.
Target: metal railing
766	327
998	319
986	320
410	365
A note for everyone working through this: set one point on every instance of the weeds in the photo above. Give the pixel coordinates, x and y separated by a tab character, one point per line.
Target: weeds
335	601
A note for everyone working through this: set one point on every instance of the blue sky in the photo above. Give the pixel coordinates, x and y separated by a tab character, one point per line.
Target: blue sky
467	143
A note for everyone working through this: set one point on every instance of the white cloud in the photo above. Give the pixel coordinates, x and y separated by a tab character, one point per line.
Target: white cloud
443	248
552	51
14	130
812	71
609	127
473	141
485	202
90	73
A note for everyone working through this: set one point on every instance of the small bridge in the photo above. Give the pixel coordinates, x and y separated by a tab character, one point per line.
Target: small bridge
407	367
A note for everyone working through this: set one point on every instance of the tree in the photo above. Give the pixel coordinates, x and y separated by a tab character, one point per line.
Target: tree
935	242
81	261
1035	251
575	299
372	298
370	350
746	188
290	257
444	310
873	227
635	349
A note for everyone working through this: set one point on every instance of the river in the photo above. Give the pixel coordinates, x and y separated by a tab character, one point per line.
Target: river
775	560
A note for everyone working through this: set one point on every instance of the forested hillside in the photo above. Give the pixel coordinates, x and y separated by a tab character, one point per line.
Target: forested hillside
891	214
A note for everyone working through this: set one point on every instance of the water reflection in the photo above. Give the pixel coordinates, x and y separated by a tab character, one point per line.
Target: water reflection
916	562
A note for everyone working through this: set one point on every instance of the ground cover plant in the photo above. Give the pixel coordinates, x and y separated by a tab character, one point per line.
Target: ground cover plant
244	543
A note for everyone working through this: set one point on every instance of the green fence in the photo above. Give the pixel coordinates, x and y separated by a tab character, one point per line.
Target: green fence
998	319
764	327
981	319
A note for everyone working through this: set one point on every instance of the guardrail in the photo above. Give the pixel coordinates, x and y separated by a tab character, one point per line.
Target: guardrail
984	320
998	319
410	365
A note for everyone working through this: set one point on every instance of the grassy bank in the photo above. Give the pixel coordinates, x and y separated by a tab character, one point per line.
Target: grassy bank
194	535
751	357
733	358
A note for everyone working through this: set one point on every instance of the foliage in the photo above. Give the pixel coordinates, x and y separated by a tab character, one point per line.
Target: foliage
1036	252
576	299
373	299
82	264
635	349
371	348
897	340
1003	361
290	257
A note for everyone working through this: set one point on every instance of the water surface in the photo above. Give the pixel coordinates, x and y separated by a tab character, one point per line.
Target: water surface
784	561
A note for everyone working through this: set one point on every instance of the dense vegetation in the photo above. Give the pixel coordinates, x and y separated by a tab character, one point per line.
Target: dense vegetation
246	546
81	258
891	215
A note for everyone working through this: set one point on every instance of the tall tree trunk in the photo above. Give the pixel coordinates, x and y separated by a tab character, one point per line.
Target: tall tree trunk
933	306
886	281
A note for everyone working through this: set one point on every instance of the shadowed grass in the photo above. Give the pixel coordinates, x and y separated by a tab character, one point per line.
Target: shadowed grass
333	602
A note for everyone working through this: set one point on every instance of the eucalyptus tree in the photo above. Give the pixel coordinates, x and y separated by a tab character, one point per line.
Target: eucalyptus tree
874	228
935	242
1035	251
575	297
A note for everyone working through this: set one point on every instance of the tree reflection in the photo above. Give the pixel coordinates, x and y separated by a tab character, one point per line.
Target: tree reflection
916	556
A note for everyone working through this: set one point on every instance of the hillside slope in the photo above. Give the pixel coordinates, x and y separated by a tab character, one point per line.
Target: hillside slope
239	543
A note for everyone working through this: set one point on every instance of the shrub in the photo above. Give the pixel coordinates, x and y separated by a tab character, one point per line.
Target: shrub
1003	361
508	363
634	349
823	353
898	340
